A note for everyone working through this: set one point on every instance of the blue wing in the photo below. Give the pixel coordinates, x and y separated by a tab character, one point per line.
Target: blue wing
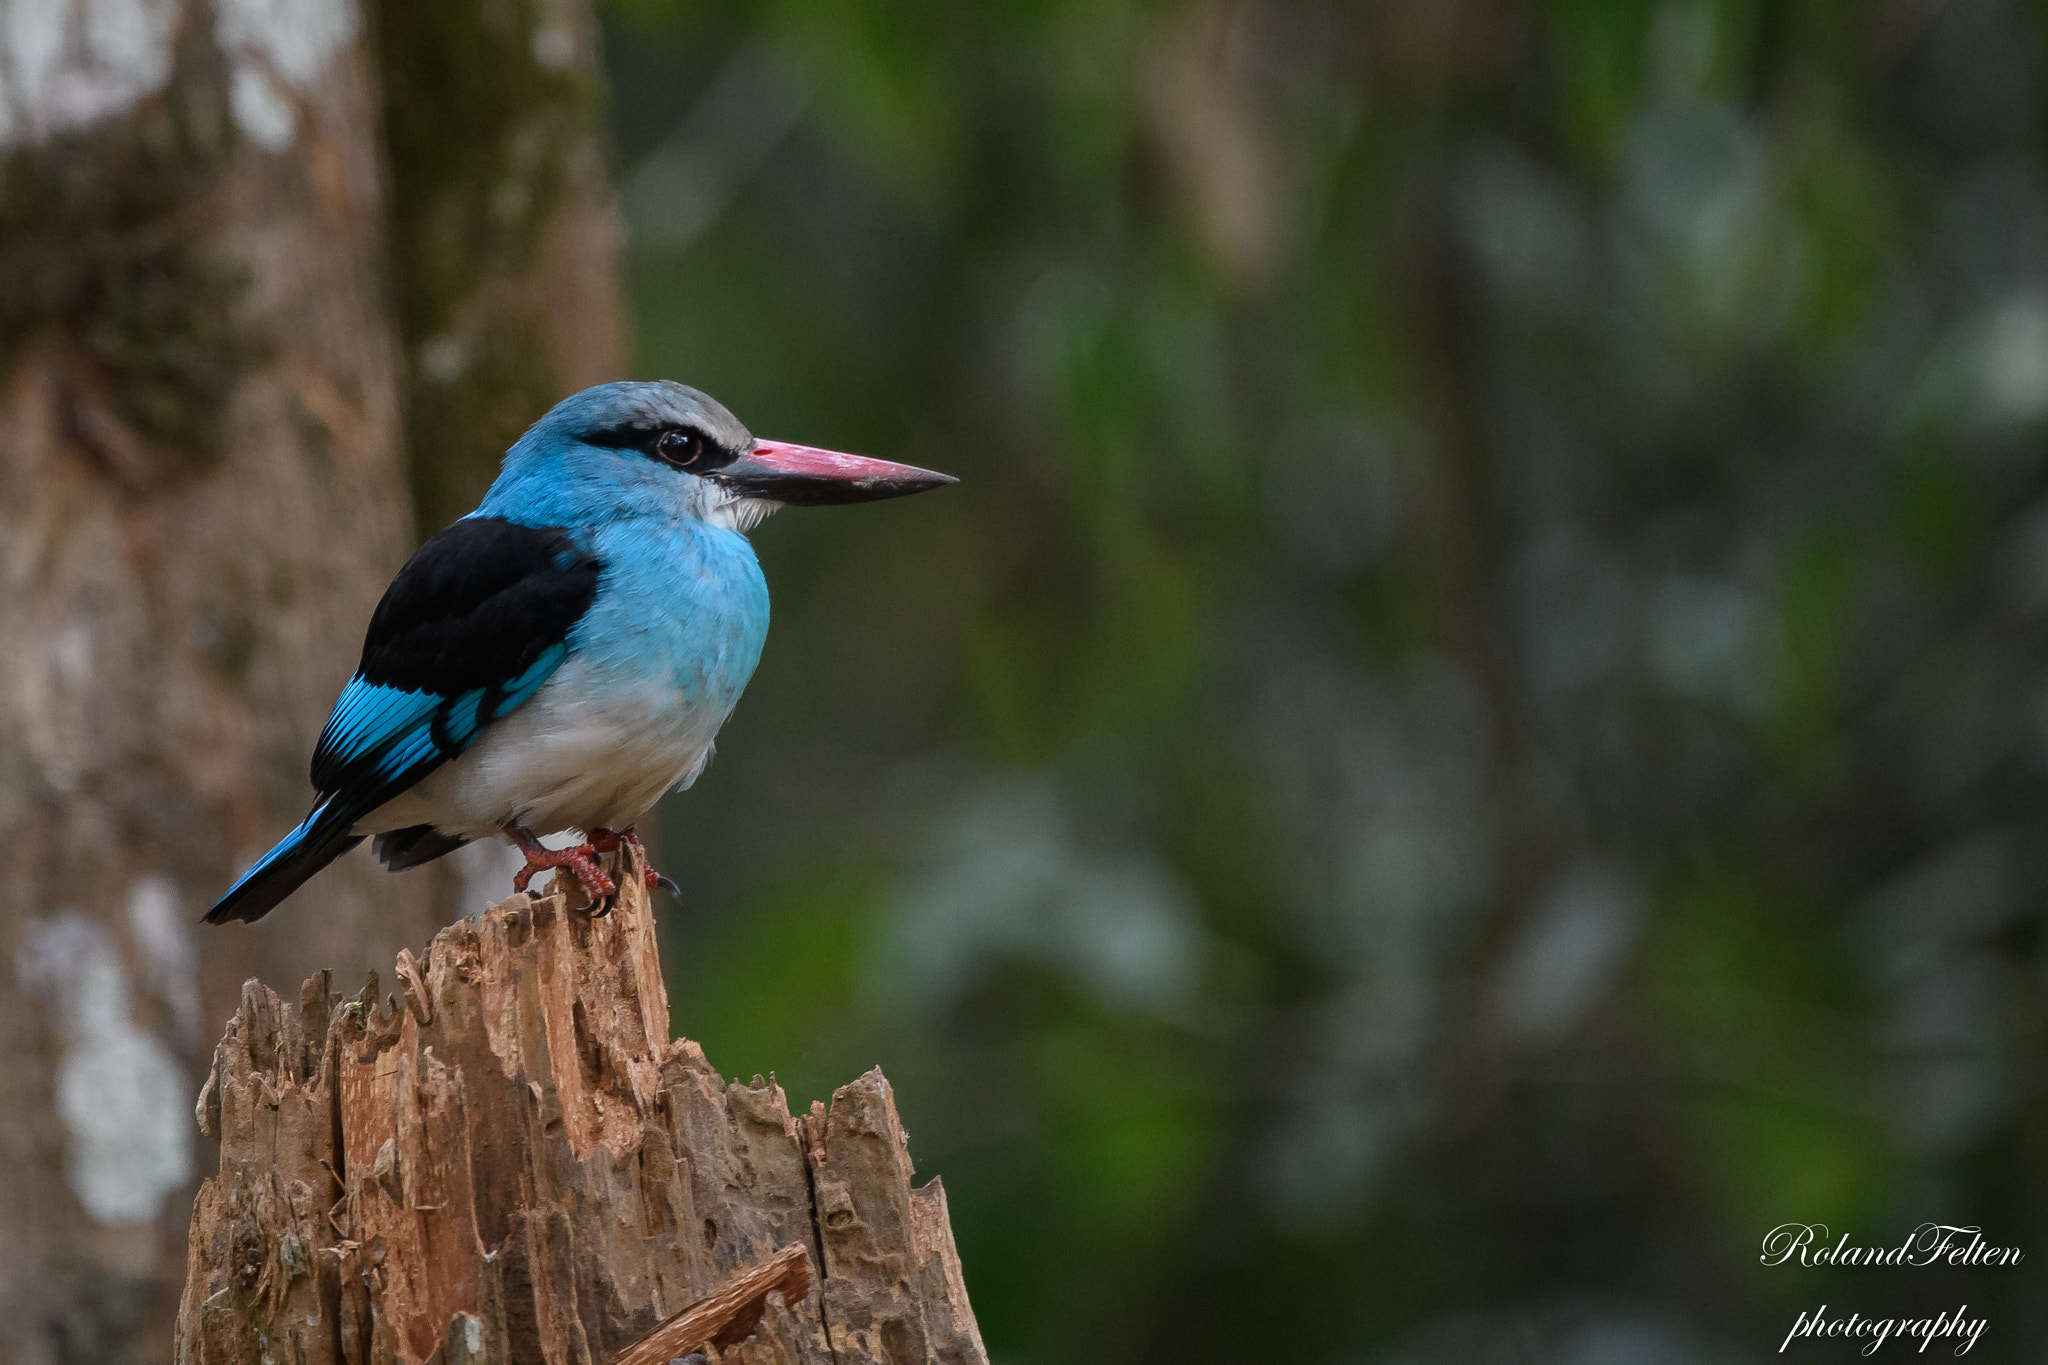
382	738
469	630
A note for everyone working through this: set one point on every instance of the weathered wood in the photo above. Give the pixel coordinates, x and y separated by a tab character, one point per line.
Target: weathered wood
508	1159
728	1315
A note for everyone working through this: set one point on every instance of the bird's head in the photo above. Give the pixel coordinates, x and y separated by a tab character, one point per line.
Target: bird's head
663	449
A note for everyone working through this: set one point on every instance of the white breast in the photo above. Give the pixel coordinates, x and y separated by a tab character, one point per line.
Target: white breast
588	751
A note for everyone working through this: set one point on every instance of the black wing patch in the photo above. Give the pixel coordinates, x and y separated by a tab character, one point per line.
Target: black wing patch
476	605
473	623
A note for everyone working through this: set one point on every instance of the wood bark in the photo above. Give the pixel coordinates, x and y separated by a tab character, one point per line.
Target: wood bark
202	383
508	1159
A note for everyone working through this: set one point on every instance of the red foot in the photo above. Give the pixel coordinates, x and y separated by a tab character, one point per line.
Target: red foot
608	841
581	860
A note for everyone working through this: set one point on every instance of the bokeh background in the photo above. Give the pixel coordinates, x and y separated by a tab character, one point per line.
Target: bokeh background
1475	734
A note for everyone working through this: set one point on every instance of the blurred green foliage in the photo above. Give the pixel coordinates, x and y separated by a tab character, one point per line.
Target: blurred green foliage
1473	737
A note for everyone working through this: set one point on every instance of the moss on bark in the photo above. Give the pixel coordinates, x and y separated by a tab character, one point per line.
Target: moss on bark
107	250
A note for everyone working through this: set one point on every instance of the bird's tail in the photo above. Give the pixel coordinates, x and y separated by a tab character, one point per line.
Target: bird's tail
320	838
399	849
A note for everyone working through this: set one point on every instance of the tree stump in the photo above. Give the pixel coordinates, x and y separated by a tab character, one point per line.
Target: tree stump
509	1160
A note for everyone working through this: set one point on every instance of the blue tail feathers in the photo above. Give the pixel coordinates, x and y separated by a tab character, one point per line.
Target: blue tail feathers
320	838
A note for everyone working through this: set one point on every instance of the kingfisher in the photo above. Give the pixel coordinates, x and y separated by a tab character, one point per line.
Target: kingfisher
566	653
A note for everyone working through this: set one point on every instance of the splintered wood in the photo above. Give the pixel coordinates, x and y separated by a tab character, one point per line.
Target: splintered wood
729	1314
510	1161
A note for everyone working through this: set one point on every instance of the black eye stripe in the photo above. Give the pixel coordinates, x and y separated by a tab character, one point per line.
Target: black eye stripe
690	450
684	448
621	438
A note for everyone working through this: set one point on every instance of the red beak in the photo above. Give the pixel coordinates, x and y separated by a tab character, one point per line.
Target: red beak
806	476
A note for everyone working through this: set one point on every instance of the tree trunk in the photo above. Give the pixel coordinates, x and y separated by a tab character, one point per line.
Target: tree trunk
199	438
508	1160
201	385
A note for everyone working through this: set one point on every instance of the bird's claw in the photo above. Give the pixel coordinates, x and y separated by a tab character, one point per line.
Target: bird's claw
581	860
607	841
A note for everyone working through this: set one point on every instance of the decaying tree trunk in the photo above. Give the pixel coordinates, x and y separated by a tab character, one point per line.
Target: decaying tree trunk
508	1160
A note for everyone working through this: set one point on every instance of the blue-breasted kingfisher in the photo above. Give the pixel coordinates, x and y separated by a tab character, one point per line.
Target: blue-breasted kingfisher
566	653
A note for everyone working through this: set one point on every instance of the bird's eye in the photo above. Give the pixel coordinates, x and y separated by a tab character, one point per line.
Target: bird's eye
680	447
